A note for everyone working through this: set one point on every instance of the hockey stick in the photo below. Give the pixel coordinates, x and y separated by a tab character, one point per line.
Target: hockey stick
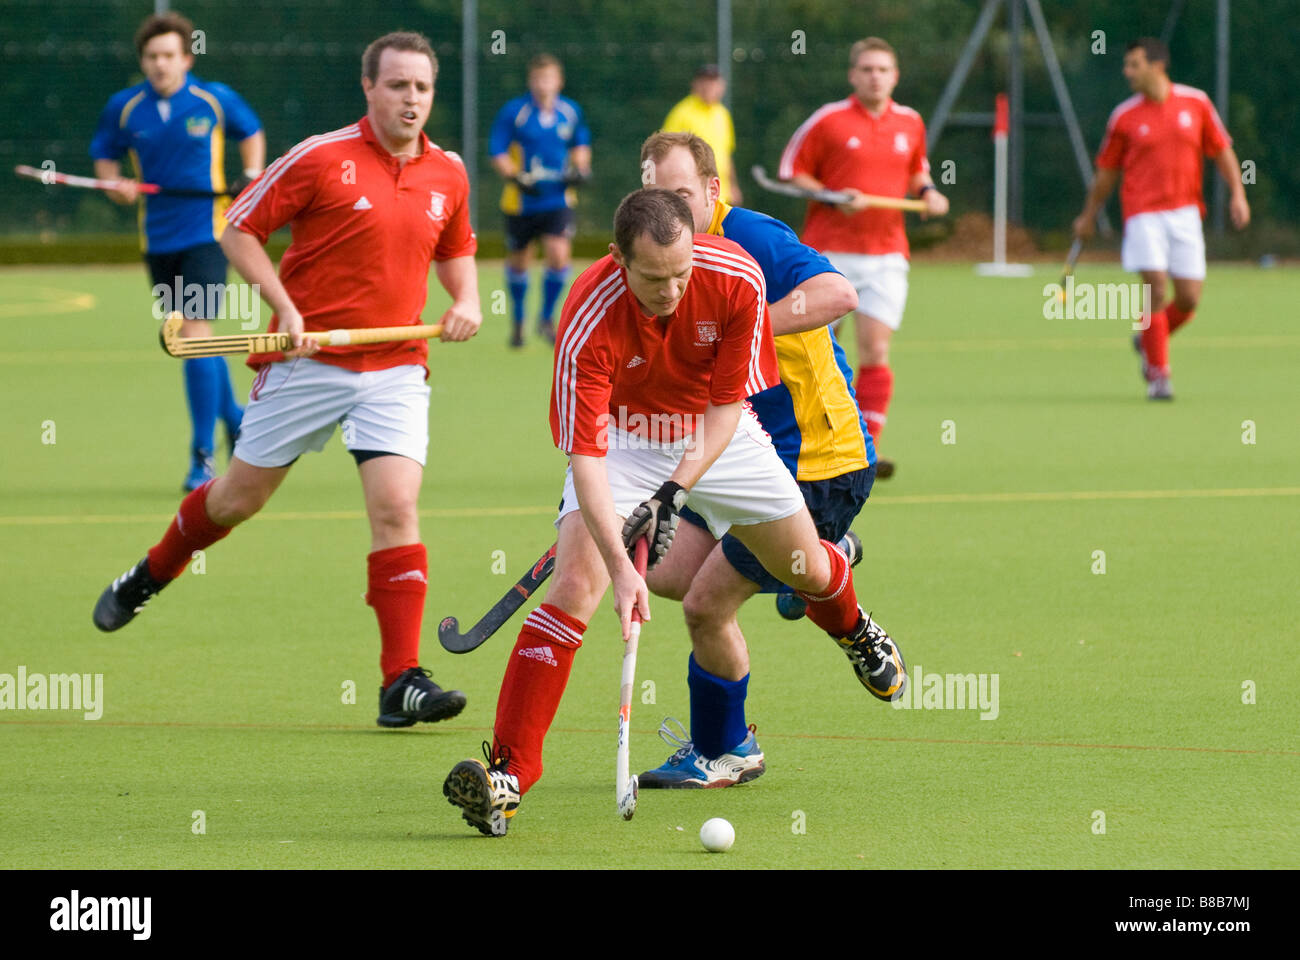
456	642
833	197
626	783
186	347
1070	260
94	183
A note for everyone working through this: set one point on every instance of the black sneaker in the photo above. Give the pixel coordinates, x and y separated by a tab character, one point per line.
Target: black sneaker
546	330
487	793
126	596
1142	356
791	606
516	337
884	468
875	658
203	467
414	698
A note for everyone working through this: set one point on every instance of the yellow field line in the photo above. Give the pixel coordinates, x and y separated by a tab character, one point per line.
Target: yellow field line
1050	496
53	300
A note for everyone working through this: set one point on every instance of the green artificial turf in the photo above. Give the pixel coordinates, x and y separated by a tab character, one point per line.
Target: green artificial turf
1120	694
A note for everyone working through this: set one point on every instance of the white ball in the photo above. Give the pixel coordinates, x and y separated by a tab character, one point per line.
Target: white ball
717	835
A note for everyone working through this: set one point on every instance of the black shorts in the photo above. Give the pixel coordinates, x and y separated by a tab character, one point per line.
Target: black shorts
194	277
523	229
833	503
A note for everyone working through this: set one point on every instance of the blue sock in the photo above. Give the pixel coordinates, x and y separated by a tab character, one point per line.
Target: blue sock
201	385
517	280
231	413
717	711
553	282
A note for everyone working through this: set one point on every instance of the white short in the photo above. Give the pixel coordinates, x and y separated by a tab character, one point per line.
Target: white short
881	282
1167	240
747	484
294	406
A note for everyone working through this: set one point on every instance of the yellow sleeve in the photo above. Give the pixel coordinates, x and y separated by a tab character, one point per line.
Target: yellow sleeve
731	136
676	119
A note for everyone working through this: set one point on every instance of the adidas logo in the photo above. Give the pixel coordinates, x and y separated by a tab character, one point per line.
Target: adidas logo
362	204
635	362
409	575
544	654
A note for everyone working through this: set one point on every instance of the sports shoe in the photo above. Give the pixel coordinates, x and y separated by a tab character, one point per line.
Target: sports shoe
1142	357
875	658
414	698
1160	389
546	330
516	336
884	468
688	769
126	596
487	793
203	467
792	606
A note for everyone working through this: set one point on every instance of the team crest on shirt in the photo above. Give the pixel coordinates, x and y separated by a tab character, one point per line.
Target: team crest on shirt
436	201
198	126
706	332
853	143
1143	130
900	142
1184	118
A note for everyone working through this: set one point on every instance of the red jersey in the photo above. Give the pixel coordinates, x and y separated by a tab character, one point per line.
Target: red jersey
617	366
1159	145
844	145
365	229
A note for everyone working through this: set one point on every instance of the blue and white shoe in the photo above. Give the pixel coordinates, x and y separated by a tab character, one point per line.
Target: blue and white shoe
688	769
203	467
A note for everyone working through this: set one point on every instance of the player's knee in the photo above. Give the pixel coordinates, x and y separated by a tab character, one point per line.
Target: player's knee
400	514
701	614
230	503
573	591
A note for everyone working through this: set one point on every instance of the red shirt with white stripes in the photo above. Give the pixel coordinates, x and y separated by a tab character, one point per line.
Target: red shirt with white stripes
844	145
365	230
617	367
1159	145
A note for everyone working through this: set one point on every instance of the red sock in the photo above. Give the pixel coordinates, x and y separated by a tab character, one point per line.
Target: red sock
874	388
1155	344
836	610
190	530
1177	317
531	689
399	578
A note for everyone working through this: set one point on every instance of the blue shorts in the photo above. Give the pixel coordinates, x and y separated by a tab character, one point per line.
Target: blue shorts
833	503
204	265
523	229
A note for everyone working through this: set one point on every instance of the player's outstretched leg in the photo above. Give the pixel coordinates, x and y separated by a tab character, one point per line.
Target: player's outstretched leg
791	606
486	792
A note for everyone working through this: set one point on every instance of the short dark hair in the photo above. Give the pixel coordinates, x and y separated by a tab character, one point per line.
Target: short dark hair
544	60
657	146
660	213
398	40
158	25
1156	50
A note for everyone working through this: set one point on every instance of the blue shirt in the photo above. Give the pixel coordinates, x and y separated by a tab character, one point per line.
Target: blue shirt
185	151
538	140
812	415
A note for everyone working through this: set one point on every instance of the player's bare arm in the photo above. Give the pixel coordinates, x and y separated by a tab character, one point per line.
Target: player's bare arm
459	278
936	204
1230	169
591	483
817	302
246	254
505	165
1102	186
580	160
252	154
125	192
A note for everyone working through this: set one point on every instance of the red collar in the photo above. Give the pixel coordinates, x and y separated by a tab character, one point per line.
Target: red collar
862	107
368	135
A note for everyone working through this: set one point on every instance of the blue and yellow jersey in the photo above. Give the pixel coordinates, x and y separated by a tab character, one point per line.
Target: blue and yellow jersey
538	141
812	414
177	142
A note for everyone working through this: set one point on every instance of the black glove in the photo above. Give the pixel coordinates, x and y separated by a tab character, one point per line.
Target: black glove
656	518
237	185
576	178
526	182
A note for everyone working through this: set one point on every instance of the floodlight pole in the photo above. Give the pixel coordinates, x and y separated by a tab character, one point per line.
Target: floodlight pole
724	49
1221	103
469	101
